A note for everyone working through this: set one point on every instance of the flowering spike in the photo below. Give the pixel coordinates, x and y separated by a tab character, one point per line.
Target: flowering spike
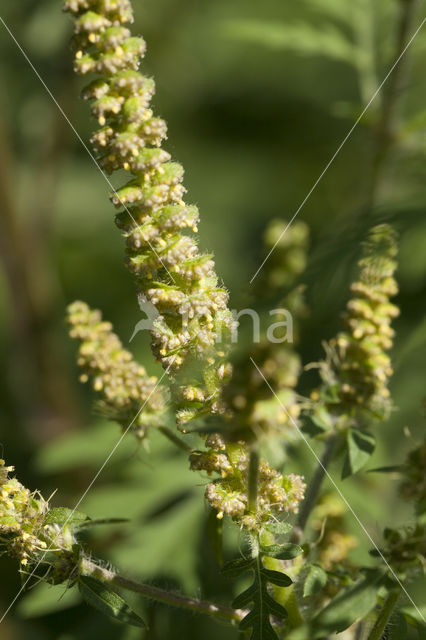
157	224
359	367
128	395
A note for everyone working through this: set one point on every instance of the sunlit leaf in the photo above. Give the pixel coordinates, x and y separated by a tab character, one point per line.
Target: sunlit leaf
360	446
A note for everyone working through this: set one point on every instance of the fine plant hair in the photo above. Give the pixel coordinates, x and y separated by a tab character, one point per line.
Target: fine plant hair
214	400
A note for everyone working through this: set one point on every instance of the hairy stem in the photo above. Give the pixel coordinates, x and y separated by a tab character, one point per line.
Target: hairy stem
314	486
160	595
380	625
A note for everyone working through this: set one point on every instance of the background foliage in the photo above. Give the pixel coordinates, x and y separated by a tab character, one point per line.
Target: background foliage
257	96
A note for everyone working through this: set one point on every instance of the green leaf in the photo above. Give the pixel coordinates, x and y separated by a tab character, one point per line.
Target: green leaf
360	447
237	567
278	528
353	603
98	595
62	516
321	418
286	551
277	578
315	580
275	608
248	620
245	597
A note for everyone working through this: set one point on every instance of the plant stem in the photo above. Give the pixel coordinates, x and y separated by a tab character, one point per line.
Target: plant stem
175	439
93	570
253	479
284	595
380	625
314	486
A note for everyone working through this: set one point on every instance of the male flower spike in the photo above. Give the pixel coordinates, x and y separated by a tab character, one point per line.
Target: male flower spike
156	222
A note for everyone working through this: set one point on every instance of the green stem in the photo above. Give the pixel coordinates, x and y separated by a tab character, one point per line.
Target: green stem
389	605
284	595
93	570
253	479
175	439
315	486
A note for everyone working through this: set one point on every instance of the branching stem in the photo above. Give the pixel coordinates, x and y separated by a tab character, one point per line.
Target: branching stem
160	595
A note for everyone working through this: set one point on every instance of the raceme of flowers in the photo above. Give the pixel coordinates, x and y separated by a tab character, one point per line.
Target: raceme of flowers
228	494
191	333
127	394
359	366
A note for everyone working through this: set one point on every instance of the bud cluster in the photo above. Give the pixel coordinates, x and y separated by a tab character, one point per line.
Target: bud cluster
229	493
128	395
157	224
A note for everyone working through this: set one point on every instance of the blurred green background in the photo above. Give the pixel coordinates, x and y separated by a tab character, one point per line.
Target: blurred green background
258	96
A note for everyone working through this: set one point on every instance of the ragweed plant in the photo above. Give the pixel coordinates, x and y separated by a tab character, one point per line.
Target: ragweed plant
301	588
